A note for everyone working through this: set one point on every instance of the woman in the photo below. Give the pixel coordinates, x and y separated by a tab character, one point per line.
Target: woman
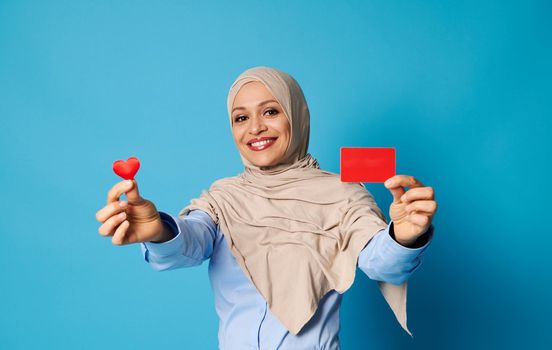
284	237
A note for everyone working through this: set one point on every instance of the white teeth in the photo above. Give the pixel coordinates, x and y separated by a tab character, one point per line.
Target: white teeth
260	143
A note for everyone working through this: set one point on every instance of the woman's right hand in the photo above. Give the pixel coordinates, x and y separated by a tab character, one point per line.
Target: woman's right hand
129	222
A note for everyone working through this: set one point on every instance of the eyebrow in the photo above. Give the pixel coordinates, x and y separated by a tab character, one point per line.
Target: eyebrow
260	104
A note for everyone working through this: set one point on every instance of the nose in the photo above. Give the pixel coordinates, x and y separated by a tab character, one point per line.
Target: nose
256	126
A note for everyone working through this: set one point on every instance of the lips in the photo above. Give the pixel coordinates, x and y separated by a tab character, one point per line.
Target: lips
261	139
265	142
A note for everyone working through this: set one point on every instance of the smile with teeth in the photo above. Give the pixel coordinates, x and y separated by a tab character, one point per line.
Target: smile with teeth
260	145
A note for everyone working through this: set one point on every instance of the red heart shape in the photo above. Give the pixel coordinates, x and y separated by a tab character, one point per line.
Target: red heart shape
127	169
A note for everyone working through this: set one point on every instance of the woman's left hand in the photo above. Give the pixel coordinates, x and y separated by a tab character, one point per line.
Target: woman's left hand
412	210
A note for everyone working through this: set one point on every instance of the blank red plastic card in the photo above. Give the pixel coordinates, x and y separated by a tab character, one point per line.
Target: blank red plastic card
367	164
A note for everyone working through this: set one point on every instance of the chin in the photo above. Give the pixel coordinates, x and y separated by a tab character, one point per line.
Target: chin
262	162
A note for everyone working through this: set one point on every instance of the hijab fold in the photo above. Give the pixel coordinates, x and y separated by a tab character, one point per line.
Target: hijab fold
295	230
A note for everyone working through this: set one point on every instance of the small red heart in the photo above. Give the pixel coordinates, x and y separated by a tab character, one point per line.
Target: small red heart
127	169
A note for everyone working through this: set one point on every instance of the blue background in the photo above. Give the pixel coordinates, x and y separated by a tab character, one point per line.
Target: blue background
461	89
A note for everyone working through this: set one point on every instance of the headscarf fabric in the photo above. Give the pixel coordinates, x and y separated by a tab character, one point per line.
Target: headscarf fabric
295	230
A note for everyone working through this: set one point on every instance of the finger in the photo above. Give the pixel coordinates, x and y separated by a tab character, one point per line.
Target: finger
396	183
402	180
397	193
108	227
118	189
418	193
424	206
418	219
111	209
120	233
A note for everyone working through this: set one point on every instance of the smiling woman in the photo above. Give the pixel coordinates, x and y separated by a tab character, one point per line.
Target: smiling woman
284	237
260	128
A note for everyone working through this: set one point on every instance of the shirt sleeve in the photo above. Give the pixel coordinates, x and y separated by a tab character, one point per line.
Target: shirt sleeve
384	259
193	241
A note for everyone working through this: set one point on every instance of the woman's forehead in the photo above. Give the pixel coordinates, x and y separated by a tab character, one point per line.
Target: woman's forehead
252	92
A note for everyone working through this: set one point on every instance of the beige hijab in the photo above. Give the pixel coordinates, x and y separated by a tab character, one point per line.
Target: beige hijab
295	230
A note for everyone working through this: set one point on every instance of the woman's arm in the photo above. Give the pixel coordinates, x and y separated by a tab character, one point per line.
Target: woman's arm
192	242
384	259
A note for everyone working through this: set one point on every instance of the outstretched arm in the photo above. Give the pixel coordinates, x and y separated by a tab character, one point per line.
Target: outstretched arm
384	259
193	241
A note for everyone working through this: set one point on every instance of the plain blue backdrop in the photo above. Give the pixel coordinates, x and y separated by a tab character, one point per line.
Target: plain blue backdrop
461	89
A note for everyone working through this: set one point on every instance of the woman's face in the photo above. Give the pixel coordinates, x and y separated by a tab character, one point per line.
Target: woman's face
260	128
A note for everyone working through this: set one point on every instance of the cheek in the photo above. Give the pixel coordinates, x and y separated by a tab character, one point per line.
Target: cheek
287	134
237	134
284	143
283	129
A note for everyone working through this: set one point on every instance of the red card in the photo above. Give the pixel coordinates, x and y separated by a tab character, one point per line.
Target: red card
367	164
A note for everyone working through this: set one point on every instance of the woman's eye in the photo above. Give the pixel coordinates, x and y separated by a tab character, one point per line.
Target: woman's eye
241	118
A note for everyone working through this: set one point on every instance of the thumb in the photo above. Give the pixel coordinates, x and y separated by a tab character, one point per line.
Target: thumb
396	192
132	193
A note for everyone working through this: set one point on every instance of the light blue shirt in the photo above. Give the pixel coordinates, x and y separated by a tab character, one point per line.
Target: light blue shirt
245	321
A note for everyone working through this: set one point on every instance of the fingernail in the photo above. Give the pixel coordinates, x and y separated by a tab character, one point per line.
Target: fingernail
403	198
122	204
388	183
122	215
129	182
